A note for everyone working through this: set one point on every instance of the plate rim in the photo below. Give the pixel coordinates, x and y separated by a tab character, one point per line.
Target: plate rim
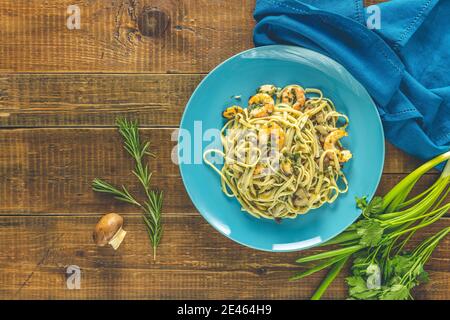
365	92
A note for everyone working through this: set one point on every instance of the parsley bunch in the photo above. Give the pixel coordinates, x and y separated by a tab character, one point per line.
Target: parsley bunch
401	273
380	267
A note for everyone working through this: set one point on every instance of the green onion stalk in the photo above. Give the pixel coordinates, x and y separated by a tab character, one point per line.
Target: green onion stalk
387	224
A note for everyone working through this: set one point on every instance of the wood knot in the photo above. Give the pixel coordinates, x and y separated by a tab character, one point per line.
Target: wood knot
261	271
153	22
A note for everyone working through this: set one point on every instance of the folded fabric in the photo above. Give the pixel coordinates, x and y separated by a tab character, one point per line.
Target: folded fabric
404	64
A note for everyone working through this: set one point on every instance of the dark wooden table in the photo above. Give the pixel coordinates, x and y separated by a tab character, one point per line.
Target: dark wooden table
60	91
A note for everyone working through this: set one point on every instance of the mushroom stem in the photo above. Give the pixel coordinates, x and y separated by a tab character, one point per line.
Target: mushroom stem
117	238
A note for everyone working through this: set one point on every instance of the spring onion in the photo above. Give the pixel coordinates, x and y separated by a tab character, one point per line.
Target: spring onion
376	241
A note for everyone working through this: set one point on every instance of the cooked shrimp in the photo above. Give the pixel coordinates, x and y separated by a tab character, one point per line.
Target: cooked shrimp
262	111
260	99
269	89
232	111
295	96
332	138
272	133
330	144
261	105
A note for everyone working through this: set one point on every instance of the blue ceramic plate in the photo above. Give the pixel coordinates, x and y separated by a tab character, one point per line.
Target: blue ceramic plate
242	75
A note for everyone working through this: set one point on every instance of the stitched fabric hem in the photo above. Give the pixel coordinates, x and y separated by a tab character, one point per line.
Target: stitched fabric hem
408	29
382	51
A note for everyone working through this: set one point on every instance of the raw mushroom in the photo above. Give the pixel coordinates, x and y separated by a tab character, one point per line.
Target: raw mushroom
109	231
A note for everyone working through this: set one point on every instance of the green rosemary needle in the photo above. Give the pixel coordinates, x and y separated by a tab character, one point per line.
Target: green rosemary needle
122	195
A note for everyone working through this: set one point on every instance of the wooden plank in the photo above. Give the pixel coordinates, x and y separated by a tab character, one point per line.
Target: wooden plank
182	35
49	171
91	100
42	100
46	170
173	36
194	262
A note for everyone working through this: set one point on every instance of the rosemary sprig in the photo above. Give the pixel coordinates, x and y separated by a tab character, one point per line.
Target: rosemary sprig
152	218
122	195
153	205
132	143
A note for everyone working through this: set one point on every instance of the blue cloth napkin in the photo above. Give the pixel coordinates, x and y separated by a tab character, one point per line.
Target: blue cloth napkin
404	65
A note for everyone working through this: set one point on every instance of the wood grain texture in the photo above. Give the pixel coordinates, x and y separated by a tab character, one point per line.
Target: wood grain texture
122	36
59	88
194	262
198	36
49	171
57	100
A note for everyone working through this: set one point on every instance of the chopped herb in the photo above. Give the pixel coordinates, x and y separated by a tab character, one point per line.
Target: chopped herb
254	106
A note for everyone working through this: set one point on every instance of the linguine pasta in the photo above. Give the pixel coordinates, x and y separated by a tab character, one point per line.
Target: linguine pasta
282	154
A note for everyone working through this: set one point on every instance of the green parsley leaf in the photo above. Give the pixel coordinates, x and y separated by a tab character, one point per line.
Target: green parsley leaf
375	206
361	202
367	295
423	276
400	265
396	292
355	281
370	231
358	289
